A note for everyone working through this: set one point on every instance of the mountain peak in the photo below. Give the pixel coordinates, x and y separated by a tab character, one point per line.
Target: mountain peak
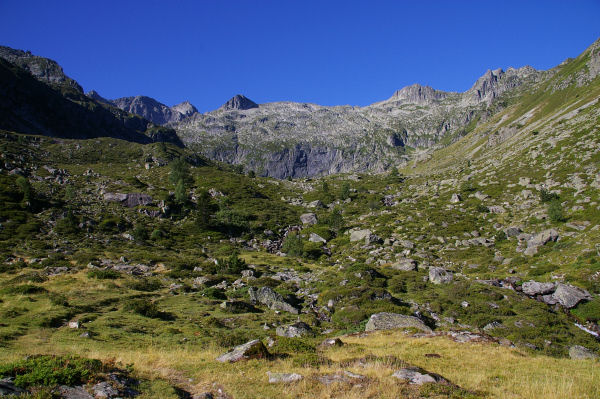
418	94
240	102
185	108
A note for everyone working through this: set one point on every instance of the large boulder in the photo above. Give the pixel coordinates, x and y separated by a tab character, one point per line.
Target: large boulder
418	376
388	321
540	239
316	238
534	288
438	275
130	200
569	296
455	199
308	218
7	387
579	352
298	329
358	235
250	350
271	299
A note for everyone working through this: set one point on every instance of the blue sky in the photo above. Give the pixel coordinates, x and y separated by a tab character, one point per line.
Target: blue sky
325	52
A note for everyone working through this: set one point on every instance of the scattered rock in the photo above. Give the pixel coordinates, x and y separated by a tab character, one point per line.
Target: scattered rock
540	239
437	275
405	264
283	378
418	376
455	199
105	390
344	377
250	350
67	392
388	321
298	329
579	352
316	238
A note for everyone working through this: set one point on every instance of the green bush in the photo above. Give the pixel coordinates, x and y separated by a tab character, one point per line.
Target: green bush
146	308
231	265
51	371
213	293
293	245
546	196
102	274
555	211
145	284
25	289
293	345
140	233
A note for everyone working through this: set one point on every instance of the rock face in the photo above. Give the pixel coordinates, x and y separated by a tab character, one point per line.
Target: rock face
250	350
297	140
388	321
271	299
298	329
154	111
579	352
437	275
418	376
239	102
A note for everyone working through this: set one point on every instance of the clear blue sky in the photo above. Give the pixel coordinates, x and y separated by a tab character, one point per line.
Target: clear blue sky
325	52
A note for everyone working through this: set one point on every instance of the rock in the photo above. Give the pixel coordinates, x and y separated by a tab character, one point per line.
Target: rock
130	200
579	352
540	239
480	196
534	288
405	264
407	244
298	329
7	387
271	299
315	204
316	238
105	390
455	199
285	378
308	218
496	209
388	321
250	350
569	296
418	376
344	377
329	342
358	235
73	324
512	231
437	275
67	392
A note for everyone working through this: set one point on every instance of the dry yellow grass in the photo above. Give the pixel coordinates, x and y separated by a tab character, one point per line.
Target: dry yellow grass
490	369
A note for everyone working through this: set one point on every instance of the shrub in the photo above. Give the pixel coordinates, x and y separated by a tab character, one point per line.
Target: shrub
25	289
482	208
180	171
145	284
156	235
213	293
102	274
500	236
335	220
345	191
146	308
51	371
69	224
293	245
232	265
555	211
140	233
546	196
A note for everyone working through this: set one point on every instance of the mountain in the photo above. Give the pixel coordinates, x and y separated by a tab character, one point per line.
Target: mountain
150	109
36	97
286	139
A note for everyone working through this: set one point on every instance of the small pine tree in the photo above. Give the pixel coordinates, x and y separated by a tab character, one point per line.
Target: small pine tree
345	191
25	189
204	209
293	245
336	220
555	211
180	170
180	192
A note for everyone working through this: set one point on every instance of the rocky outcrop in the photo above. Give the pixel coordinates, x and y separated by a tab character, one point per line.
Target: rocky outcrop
239	102
579	352
388	321
129	200
271	299
250	350
418	376
438	275
283	378
154	111
565	295
299	329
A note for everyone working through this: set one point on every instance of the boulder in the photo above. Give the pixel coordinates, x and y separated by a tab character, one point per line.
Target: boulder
358	235
513	231
315	204
7	387
540	239
308	218
283	378
271	299
388	321
405	264
533	288
418	376
67	392
238	307
569	296
298	329
250	350
579	352
316	238
455	199
496	209
105	390
329	342
438	275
